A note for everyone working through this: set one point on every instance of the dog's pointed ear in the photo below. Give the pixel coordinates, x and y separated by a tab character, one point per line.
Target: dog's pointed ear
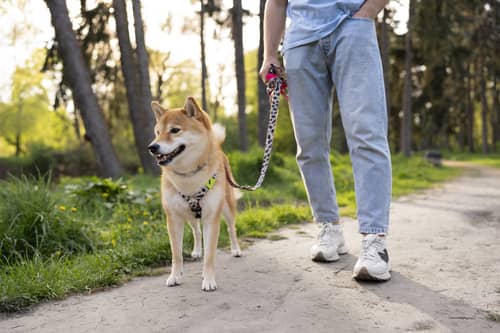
192	108
158	111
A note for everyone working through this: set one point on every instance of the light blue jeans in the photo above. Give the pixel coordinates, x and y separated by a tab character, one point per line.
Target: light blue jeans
349	60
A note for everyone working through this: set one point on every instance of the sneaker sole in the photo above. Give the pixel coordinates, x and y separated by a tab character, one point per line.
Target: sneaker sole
320	257
364	275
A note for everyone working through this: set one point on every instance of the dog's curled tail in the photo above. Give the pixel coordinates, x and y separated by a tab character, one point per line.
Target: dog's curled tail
219	132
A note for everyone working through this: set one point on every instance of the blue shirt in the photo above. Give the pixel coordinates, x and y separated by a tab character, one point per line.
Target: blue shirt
312	20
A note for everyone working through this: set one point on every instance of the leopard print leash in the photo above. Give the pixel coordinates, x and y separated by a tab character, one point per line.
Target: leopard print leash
276	85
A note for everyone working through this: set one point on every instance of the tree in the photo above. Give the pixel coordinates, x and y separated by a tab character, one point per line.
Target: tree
78	77
27	119
145	81
406	127
203	56
237	29
136	85
384	53
263	112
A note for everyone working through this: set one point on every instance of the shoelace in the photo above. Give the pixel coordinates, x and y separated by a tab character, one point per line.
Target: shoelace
324	231
371	247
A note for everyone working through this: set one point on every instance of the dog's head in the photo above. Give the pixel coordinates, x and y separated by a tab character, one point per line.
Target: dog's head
182	134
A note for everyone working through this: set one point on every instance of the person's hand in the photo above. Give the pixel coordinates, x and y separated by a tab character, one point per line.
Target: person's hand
363	14
266	65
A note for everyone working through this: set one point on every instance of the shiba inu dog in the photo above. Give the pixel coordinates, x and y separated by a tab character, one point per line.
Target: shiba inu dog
194	184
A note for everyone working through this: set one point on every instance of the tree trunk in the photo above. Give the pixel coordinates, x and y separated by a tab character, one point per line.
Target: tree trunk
263	102
240	72
203	57
494	113
385	51
145	83
19	120
484	108
406	127
470	110
78	78
138	115
76	125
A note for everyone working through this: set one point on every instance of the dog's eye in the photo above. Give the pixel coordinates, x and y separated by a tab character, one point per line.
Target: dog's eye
175	130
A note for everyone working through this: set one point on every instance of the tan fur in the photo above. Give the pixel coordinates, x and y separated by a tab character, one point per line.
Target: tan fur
202	149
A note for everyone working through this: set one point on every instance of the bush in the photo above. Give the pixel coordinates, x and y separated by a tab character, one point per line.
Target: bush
33	224
246	166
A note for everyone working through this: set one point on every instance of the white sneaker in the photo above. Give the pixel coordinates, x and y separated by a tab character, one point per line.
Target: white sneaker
330	244
373	262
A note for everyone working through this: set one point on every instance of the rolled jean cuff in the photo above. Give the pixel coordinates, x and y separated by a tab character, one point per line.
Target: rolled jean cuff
373	231
327	220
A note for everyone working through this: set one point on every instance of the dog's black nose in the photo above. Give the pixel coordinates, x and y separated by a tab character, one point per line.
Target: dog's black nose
153	148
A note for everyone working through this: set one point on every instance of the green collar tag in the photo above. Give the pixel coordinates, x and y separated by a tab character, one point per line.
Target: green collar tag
210	183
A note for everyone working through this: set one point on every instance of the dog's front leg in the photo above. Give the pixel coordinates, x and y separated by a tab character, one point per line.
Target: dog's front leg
175	226
211	227
195	226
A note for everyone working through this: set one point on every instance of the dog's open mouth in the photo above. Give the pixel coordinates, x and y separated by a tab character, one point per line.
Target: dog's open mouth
164	159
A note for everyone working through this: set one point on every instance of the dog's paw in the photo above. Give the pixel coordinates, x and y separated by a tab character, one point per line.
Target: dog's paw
208	284
196	254
173	280
236	252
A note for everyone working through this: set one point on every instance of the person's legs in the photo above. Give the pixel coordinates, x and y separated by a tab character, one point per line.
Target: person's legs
358	78
310	99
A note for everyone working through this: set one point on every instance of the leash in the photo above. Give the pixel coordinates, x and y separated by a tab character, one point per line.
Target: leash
275	86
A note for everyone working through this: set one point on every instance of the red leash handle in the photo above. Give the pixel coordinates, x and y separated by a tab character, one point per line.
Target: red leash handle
271	77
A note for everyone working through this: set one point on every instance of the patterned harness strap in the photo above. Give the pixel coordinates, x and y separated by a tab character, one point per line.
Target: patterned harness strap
275	85
194	199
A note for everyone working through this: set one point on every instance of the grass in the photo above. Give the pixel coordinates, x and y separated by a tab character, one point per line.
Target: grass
124	223
492	160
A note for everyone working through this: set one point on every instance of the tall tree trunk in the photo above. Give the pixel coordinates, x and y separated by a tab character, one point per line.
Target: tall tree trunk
470	110
385	51
145	83
406	128
240	72
203	57
78	77
138	115
494	113
484	108
76	125
462	130
19	118
263	102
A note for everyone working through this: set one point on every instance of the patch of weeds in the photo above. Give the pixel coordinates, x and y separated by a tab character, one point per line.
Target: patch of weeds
294	227
256	234
276	237
493	316
33	222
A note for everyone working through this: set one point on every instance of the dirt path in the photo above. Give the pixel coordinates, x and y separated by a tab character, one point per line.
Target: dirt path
444	246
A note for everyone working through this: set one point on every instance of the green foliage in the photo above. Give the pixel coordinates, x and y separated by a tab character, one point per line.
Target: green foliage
412	174
128	230
93	191
492	160
27	118
33	224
